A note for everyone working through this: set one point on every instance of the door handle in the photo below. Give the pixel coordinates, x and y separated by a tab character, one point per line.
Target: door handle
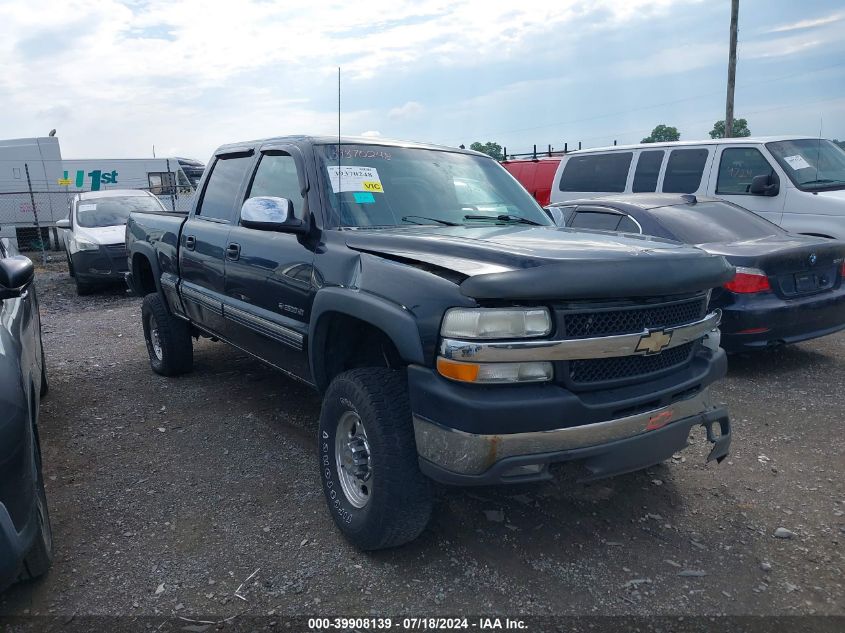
233	251
190	242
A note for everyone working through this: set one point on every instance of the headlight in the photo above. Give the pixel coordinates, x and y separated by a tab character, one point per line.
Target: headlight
83	244
490	323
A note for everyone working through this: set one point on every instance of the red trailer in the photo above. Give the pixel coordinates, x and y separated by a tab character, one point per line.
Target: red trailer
536	175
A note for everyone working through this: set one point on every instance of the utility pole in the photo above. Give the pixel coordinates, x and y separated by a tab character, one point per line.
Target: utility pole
729	105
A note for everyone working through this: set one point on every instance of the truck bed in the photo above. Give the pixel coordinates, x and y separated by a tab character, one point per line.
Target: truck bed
155	234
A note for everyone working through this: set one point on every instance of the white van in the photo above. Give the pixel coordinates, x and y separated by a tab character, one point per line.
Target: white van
173	180
796	182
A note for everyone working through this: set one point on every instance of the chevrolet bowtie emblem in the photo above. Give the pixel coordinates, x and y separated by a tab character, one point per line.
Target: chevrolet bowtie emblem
654	342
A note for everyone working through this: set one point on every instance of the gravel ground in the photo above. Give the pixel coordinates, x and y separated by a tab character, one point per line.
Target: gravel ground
166	495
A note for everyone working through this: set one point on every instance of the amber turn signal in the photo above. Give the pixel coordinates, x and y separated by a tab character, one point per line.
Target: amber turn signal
465	372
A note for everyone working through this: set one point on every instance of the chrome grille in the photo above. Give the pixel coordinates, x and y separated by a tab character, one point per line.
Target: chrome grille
598	370
578	322
632	320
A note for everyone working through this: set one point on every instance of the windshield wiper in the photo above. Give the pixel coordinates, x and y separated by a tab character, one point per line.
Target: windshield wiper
822	181
504	217
408	218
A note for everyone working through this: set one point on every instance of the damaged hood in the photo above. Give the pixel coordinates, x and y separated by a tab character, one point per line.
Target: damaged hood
527	262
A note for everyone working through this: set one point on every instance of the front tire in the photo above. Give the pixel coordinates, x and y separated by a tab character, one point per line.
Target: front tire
168	338
370	473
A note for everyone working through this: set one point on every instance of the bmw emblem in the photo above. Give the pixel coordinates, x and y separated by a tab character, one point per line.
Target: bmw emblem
813	259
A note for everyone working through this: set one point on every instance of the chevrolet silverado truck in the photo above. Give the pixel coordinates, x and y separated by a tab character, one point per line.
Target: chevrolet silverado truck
454	332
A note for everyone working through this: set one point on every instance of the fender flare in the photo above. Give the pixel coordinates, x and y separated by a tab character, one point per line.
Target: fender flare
148	252
395	321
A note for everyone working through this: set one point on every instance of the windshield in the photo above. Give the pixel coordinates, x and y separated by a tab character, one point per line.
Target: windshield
811	163
397	186
113	211
709	222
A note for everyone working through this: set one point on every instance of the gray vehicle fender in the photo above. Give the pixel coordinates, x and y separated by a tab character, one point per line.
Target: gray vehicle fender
398	323
147	251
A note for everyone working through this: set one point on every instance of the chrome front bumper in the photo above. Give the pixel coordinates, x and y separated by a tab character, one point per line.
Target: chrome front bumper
468	454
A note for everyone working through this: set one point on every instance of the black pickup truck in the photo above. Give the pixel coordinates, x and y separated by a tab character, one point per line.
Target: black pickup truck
455	333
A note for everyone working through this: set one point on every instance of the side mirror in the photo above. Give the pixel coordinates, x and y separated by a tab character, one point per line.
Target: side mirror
64	223
764	185
268	213
16	273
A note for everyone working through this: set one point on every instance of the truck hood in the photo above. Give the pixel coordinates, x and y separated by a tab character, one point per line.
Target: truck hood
526	262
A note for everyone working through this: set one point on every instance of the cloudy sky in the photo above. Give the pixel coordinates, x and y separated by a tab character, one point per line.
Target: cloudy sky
116	78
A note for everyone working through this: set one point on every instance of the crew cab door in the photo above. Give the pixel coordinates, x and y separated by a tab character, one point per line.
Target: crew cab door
269	288
204	237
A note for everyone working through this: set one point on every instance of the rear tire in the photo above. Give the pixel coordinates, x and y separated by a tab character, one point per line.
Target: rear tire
168	338
369	467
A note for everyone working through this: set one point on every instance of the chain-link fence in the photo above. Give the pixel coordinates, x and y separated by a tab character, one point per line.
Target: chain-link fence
28	219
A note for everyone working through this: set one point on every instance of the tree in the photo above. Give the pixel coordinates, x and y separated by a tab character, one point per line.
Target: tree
663	133
740	129
490	148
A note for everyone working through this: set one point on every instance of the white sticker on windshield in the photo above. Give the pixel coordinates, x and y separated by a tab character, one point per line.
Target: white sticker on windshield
86	207
797	162
351	178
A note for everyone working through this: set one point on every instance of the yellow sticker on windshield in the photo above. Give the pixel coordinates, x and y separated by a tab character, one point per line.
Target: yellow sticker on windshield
354	178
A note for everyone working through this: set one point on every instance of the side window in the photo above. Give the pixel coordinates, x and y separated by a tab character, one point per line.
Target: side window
276	176
162	183
566	214
684	170
561	216
737	168
627	225
648	169
596	172
221	191
184	183
595	220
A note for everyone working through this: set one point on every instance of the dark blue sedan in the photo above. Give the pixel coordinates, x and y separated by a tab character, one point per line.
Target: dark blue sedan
787	288
26	542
